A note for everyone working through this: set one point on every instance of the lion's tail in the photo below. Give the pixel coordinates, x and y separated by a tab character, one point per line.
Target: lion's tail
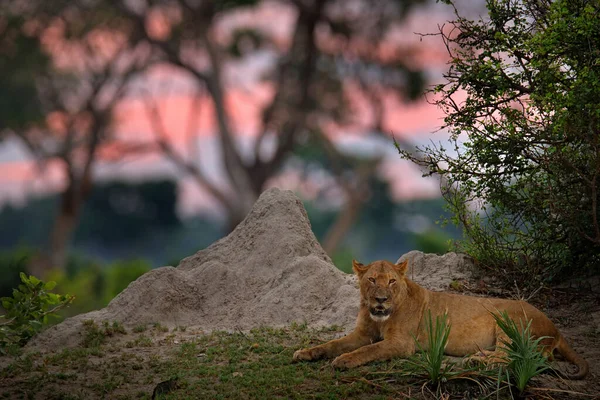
570	355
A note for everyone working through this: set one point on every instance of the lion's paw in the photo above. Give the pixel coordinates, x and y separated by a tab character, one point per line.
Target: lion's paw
345	361
306	355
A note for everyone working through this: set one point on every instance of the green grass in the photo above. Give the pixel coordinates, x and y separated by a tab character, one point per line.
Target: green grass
95	335
221	365
218	365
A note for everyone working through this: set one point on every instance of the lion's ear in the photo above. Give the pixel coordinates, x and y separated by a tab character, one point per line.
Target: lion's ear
401	267
359	269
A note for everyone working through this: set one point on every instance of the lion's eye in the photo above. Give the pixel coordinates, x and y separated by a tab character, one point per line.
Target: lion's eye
372	280
392	281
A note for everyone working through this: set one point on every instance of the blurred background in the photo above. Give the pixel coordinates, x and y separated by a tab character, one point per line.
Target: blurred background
134	133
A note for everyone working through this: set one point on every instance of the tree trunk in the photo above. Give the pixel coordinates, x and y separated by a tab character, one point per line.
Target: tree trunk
346	218
60	238
357	195
54	256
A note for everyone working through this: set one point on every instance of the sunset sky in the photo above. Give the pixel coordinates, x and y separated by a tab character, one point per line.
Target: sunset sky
417	122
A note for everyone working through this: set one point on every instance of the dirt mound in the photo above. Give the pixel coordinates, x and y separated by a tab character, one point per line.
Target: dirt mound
269	271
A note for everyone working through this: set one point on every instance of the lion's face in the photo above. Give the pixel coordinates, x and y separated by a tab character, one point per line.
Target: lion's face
381	287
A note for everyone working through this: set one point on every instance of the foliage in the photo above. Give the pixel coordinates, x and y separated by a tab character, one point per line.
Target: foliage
12	263
342	259
30	223
314	84
21	59
430	358
66	93
120	210
94	284
523	356
120	274
28	309
120	220
522	104
253	364
385	228
432	241
95	335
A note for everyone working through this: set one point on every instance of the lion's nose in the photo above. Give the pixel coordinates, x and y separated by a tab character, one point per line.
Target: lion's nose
381	299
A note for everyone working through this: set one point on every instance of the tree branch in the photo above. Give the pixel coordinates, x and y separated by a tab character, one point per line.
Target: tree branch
159	130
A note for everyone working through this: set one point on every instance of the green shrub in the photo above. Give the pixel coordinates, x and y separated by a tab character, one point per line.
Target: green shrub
27	311
523	355
520	172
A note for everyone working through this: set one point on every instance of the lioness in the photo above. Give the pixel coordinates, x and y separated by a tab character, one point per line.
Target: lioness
391	315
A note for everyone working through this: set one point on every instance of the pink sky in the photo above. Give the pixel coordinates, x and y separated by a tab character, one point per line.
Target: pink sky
415	121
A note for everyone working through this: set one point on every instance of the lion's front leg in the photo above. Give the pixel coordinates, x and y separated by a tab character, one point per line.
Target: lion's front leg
333	348
380	351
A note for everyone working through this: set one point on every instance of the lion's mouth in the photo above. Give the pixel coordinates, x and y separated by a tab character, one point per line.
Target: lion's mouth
380	311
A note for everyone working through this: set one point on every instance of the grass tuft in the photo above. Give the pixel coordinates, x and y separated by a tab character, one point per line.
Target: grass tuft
430	360
95	335
524	357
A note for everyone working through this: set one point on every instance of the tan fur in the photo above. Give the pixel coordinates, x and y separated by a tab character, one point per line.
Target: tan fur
391	314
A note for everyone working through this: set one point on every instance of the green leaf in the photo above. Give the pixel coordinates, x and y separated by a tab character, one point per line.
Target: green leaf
34	281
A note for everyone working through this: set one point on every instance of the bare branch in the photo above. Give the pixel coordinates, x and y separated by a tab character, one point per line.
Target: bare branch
168	150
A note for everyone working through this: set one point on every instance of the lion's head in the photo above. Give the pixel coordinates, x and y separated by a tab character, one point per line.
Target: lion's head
382	286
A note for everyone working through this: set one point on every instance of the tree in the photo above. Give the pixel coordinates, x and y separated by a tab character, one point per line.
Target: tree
333	59
64	114
333	48
522	104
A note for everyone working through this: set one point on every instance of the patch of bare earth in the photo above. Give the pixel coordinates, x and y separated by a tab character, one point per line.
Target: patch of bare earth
576	312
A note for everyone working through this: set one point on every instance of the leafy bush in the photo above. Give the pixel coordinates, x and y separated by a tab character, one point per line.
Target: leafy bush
523	356
27	311
522	104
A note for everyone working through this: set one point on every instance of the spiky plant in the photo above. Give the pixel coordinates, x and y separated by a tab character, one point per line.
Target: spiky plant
430	360
523	353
